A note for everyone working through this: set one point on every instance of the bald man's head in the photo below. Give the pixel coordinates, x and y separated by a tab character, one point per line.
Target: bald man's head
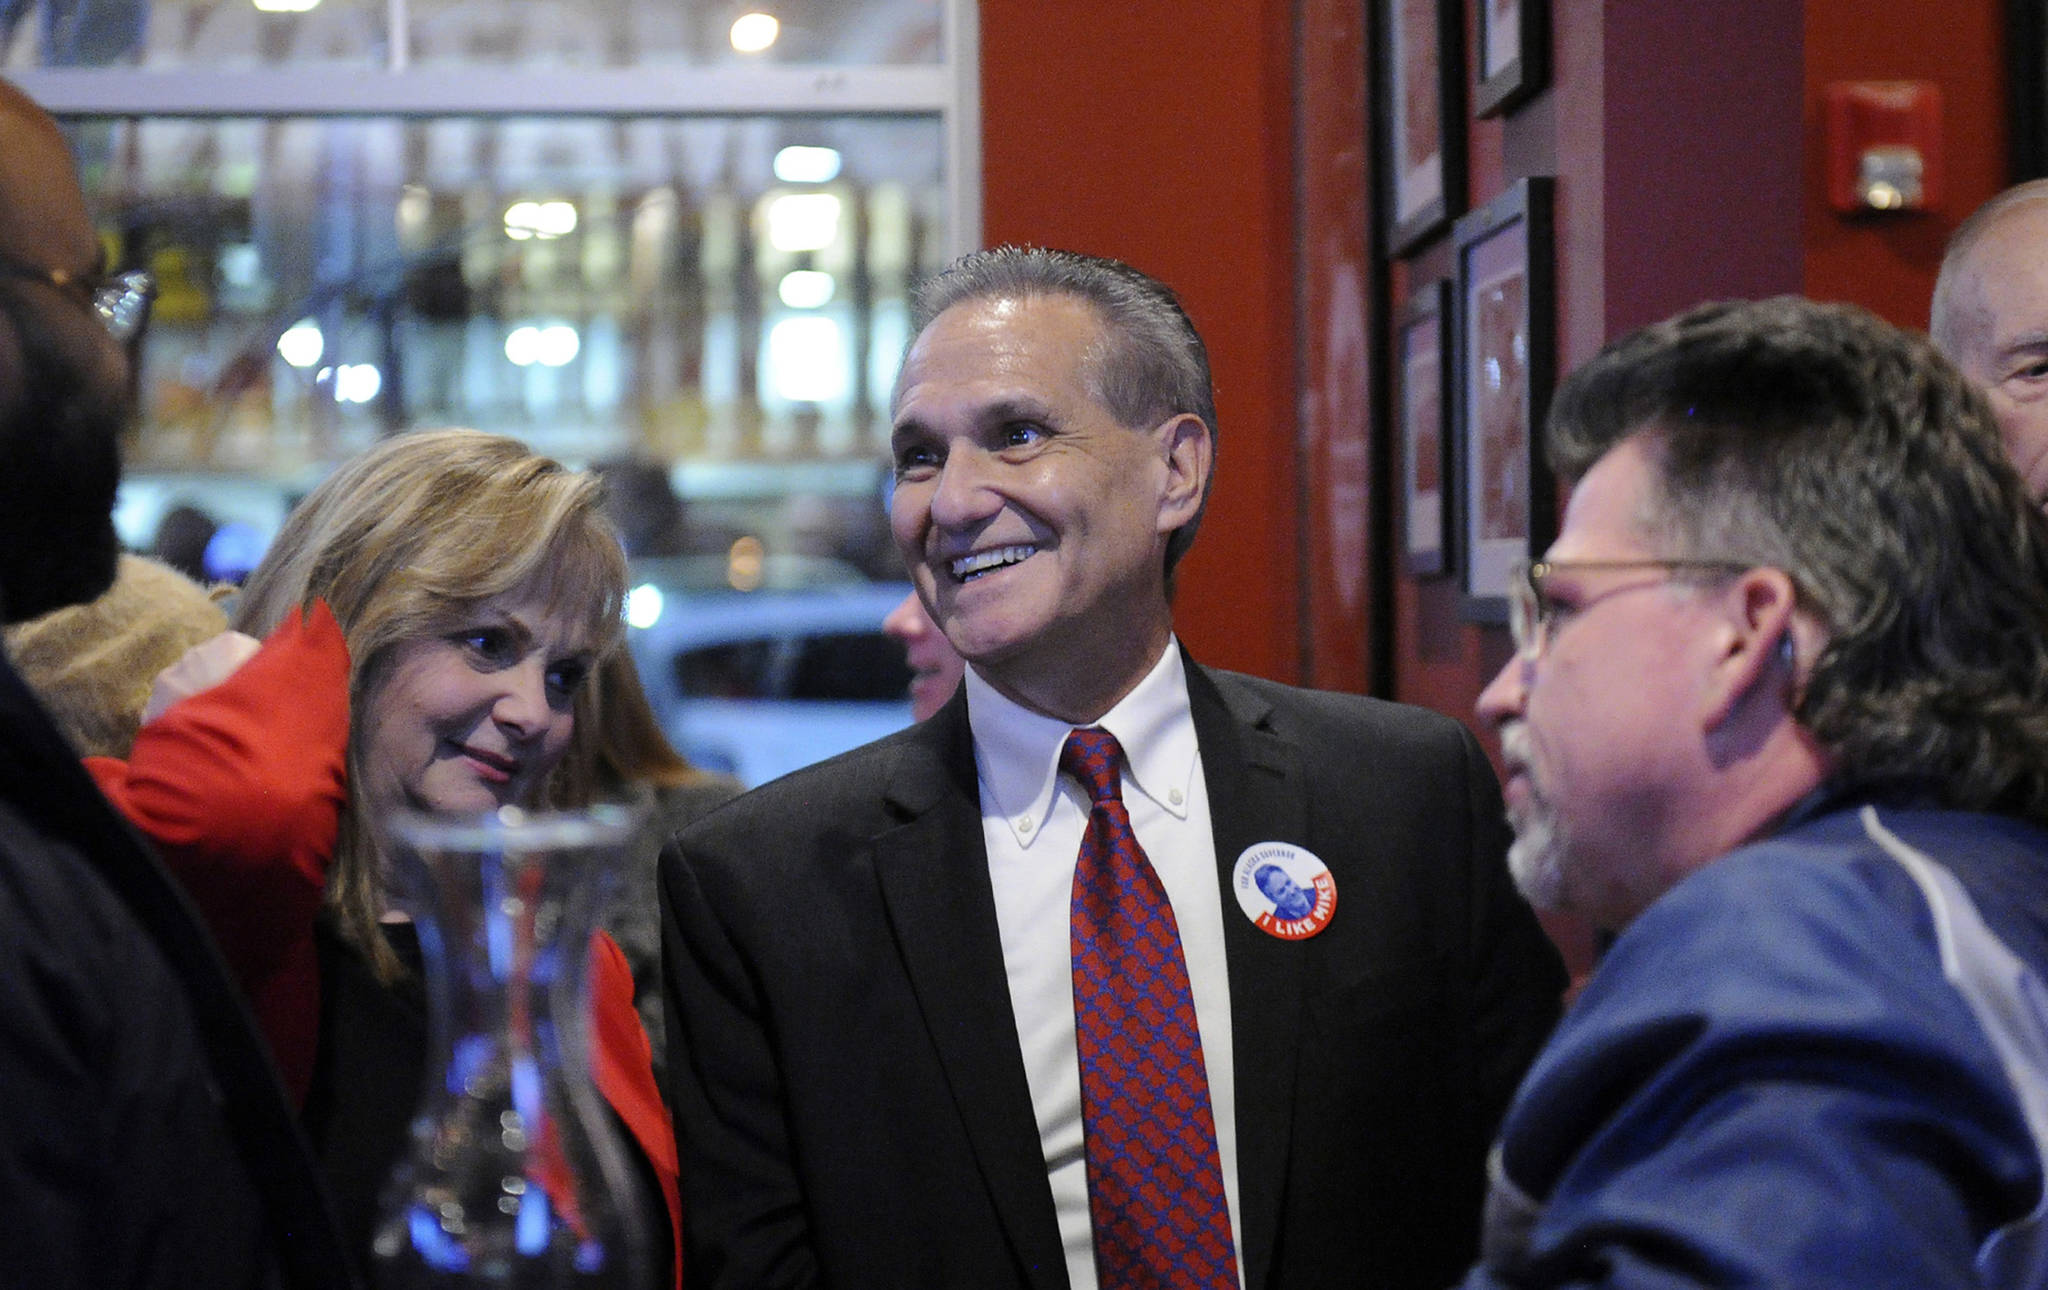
63	381
43	219
1990	315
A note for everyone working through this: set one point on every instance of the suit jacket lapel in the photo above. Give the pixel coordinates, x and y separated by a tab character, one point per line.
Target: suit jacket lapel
1256	794
933	871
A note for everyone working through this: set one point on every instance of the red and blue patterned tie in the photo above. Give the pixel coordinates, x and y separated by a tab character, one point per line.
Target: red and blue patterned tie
1155	1182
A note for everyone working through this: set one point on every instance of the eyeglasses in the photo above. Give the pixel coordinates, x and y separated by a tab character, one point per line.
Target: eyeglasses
121	300
1533	614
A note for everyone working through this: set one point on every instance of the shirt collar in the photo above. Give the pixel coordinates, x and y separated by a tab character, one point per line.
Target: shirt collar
1830	796
1017	751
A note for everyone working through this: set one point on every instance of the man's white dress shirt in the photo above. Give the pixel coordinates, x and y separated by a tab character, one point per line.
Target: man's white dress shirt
1033	819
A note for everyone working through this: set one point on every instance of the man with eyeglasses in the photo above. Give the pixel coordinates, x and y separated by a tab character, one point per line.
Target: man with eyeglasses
1778	717
144	1137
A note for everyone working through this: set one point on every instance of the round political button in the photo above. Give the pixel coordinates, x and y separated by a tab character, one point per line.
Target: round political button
1284	889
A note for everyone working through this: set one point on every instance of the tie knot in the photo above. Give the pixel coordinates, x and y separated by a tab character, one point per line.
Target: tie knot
1090	757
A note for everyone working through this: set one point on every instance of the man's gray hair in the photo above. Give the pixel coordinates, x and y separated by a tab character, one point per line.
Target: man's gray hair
1151	364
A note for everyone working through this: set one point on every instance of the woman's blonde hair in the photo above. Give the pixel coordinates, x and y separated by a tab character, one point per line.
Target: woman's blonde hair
404	542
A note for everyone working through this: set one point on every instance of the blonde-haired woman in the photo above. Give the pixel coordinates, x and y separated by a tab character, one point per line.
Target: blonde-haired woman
433	548
460	588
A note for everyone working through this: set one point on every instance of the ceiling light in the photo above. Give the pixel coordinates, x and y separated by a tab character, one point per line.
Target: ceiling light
643	606
806	289
543	220
803	221
302	344
357	383
553	345
797	164
808	360
754	32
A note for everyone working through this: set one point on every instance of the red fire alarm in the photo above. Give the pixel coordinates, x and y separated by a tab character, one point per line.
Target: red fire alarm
1883	145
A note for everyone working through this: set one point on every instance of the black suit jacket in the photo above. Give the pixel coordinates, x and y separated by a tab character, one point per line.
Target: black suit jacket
849	1093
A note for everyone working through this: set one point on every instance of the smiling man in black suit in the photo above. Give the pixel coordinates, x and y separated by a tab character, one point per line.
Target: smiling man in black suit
1000	1000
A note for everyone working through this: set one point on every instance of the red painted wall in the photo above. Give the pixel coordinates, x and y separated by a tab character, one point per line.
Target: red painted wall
1888	263
1340	495
1158	132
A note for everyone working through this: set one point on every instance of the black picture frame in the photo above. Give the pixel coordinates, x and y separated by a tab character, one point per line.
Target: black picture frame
1510	53
1507	363
2026	76
1423	160
1423	366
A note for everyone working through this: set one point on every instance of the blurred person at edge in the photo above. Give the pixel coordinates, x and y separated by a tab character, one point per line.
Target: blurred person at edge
94	667
935	666
147	1141
1778	716
1990	315
442	596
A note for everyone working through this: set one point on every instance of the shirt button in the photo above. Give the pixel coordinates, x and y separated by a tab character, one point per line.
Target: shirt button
1174	796
1023	824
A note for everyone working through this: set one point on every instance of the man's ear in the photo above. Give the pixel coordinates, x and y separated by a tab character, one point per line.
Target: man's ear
1190	453
1759	657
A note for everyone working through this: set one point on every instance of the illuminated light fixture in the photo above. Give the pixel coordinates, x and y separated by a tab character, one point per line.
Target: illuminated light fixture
552	345
797	164
286	6
808	360
643	606
803	221
754	32
523	346
357	383
543	220
806	288
302	344
744	563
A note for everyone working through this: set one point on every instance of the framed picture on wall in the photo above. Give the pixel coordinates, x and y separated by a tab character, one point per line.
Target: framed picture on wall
1423	373
2026	80
1510	53
1421	117
1507	361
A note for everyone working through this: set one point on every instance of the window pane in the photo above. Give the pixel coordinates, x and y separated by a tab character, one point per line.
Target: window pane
477	33
734	670
850	665
202	33
632	289
599	33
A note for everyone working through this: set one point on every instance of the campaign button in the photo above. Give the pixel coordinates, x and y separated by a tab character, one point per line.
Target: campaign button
1284	889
